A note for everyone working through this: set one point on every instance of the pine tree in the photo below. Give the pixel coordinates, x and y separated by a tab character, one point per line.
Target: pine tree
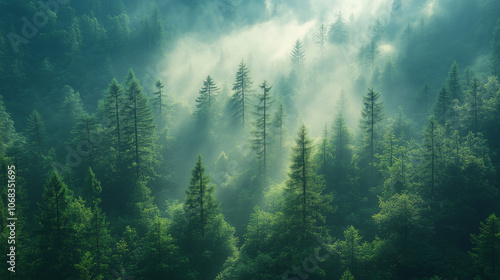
371	53
205	102
139	130
56	231
304	205
372	115
486	251
350	249
442	107
35	131
279	127
159	99
338	30
242	88
474	91
453	83
200	206
207	240
297	56
8	133
112	106
84	135
431	152
321	39
262	126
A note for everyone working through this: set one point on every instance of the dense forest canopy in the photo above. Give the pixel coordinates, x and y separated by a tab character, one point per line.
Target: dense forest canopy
230	139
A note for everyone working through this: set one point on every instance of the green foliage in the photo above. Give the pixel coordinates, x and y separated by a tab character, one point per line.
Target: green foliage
200	206
139	134
486	251
297	55
304	206
260	142
372	114
347	275
205	102
242	88
338	31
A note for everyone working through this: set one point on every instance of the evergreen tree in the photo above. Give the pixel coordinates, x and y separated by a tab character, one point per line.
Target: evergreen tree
474	102
200	206
262	126
304	205
403	218
338	30
207	240
139	130
8	133
297	55
321	39
84	135
205	102
35	132
111	108
56	231
442	107
350	250
453	83
279	127
242	88
159	99
371	53
486	251
372	115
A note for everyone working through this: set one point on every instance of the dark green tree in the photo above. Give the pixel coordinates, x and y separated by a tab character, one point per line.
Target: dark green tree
372	114
486	251
304	205
262	126
453	83
139	131
321	39
35	132
159	96
242	88
56	231
205	102
338	30
200	206
442	106
297	56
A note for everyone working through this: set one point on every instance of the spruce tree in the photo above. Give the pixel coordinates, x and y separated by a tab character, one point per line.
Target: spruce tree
372	115
35	132
297	56
200	206
262	126
338	30
453	83
139	131
112	106
56	231
242	88
159	96
486	251
205	102
442	107
321	39
304	204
